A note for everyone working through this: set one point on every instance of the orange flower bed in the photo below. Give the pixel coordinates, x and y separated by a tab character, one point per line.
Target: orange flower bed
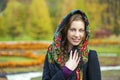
24	46
9	49
99	41
38	60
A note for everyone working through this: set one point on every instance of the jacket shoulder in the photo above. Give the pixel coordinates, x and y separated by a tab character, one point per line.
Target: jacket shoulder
94	72
92	54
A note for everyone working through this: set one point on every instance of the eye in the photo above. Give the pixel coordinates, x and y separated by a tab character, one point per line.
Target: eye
72	29
81	30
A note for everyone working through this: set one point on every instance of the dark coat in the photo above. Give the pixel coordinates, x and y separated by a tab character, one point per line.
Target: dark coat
91	70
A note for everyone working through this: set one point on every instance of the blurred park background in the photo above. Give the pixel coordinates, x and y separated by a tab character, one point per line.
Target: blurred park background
27	28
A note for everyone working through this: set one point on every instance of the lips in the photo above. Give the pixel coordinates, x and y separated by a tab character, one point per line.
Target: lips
76	40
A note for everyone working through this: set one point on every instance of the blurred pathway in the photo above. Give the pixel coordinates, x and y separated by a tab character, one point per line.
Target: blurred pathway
30	75
24	76
106	68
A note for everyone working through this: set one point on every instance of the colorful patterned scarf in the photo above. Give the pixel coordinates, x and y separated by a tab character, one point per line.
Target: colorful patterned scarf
54	49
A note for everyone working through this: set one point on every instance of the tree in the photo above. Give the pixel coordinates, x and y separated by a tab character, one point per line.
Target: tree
67	6
54	7
11	20
111	15
80	4
94	11
59	8
3	4
2	28
40	26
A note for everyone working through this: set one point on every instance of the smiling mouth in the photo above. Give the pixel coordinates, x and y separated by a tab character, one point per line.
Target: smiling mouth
76	40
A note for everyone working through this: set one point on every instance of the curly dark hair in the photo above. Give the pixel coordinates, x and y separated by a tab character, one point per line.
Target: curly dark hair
64	30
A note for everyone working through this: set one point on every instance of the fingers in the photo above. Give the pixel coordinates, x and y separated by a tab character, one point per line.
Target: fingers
73	61
71	54
74	56
77	58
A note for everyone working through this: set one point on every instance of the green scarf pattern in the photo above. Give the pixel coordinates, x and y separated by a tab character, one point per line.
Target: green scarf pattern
54	49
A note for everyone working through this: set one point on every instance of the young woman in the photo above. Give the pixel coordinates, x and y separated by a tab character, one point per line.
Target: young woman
68	57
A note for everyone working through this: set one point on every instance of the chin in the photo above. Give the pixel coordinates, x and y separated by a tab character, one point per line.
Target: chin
75	44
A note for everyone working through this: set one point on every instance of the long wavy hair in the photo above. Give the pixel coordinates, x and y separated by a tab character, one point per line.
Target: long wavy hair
64	30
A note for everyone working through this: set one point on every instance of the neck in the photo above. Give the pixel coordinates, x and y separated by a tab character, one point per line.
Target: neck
70	47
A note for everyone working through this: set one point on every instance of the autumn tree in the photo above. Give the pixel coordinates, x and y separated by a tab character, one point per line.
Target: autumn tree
11	19
58	9
81	4
40	25
67	6
111	15
2	28
54	7
94	11
3	4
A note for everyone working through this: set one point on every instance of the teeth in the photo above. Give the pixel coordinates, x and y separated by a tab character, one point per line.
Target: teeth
76	40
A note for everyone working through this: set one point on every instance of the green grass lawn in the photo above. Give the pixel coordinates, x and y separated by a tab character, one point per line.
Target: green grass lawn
105	75
24	38
14	58
101	49
8	70
108	49
38	78
111	75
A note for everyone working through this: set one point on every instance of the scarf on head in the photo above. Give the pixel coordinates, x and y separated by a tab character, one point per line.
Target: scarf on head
54	49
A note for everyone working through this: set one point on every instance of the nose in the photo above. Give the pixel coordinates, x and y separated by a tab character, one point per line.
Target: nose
77	34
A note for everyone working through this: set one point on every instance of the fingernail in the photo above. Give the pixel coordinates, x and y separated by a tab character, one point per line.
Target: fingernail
76	50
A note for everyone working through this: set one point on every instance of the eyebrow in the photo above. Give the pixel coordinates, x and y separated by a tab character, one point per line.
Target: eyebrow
75	28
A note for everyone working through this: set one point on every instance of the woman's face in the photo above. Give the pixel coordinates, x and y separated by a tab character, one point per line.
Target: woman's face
76	33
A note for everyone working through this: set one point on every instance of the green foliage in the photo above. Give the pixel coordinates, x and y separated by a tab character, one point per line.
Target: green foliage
67	6
58	9
11	20
94	14
38	19
13	58
80	4
2	28
54	7
3	4
107	49
40	26
111	16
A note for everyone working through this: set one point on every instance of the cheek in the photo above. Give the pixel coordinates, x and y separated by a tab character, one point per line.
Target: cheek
84	36
69	35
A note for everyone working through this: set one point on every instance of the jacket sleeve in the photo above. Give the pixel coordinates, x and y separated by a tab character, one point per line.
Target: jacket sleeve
49	74
94	72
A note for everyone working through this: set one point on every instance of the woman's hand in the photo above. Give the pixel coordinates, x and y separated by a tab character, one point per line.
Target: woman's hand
73	61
